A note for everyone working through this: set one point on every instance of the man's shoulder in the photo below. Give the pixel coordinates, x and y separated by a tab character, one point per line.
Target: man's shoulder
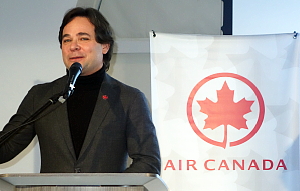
57	81
114	83
57	84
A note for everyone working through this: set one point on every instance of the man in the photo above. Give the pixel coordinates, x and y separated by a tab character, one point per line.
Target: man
100	124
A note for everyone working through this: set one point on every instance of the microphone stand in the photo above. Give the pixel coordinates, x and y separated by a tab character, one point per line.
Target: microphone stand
30	119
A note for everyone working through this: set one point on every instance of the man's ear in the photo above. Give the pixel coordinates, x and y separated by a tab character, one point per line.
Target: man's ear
105	48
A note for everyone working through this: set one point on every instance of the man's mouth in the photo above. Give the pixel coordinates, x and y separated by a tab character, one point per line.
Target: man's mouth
75	58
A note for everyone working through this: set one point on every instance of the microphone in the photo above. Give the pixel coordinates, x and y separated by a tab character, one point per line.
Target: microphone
74	72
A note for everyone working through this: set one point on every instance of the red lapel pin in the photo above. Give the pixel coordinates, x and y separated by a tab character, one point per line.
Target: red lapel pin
105	97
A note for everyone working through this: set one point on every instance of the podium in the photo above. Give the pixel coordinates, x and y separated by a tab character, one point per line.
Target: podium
82	182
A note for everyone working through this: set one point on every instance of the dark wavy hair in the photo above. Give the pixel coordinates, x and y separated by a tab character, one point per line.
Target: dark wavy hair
103	30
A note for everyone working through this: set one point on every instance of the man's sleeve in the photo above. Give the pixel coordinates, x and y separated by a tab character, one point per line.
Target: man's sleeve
20	140
142	141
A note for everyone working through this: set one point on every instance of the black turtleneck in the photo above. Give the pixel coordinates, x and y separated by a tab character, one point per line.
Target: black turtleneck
81	105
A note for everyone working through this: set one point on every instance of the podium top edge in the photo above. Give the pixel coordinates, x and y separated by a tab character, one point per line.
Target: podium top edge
148	180
78	174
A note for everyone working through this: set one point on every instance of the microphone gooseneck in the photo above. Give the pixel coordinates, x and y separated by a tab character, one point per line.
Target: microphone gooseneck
74	71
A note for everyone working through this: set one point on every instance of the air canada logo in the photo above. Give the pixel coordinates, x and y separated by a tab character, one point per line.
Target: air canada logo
225	109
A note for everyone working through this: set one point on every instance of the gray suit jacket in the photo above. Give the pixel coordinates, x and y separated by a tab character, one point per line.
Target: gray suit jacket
121	125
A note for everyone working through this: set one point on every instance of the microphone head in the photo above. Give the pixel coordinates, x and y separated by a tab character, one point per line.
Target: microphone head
76	66
74	71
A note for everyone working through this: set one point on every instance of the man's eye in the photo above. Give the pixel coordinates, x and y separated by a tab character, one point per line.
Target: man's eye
66	40
84	38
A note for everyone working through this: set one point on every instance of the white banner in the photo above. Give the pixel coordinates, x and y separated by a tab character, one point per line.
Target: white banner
226	109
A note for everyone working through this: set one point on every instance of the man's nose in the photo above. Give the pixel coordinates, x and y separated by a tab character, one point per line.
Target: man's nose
75	45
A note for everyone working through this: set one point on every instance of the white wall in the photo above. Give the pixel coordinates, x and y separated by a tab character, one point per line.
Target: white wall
265	16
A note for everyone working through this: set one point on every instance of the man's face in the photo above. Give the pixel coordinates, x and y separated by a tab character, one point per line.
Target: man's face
79	45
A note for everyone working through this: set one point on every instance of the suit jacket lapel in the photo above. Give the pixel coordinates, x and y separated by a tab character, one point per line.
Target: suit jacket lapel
62	118
106	96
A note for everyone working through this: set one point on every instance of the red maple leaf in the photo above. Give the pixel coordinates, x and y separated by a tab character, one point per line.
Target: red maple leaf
225	111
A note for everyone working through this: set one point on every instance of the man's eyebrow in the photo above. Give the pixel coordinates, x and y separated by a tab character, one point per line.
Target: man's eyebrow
79	34
83	33
65	35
